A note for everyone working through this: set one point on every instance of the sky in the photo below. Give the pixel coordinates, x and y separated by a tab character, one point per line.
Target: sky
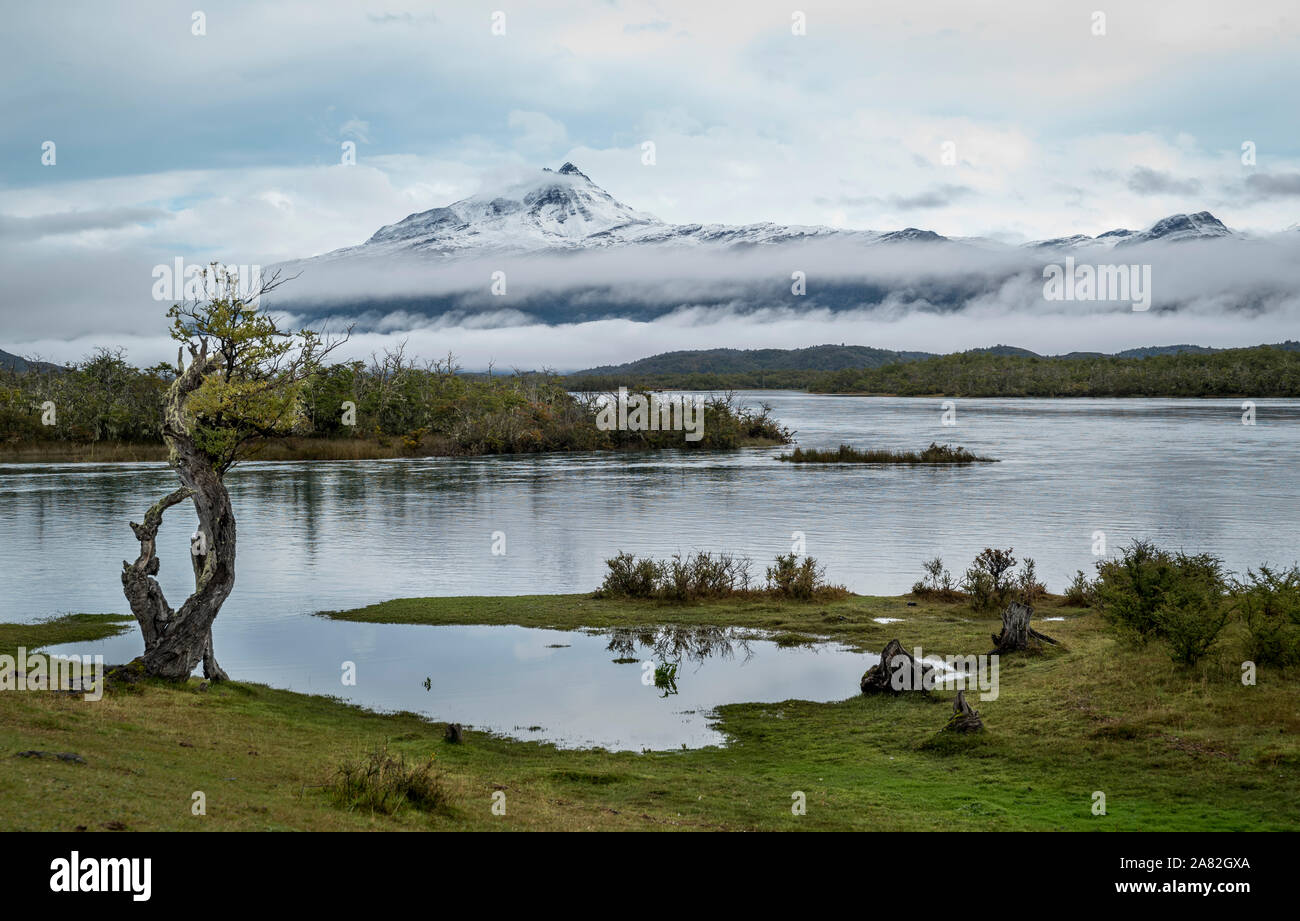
218	134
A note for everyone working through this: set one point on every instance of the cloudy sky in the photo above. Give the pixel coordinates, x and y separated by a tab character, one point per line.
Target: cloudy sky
227	145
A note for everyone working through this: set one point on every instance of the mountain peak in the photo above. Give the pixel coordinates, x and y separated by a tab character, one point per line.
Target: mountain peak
541	210
1199	226
568	169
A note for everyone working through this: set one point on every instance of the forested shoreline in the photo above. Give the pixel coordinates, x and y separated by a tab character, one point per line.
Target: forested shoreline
1262	371
1259	371
106	408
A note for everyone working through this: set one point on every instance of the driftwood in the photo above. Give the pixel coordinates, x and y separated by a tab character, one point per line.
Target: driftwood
896	672
1016	633
963	718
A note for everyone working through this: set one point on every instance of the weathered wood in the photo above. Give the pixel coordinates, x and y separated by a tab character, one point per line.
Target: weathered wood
963	718
895	673
1016	633
175	641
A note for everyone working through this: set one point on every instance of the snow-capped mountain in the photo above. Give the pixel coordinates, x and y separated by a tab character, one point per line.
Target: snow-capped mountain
554	209
563	210
1199	226
557	248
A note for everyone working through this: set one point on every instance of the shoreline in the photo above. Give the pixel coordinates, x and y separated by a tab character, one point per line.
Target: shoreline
298	450
1096	715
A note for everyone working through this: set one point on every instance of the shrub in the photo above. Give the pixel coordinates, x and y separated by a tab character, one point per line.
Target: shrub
938	581
1269	602
987	582
997	563
629	577
1129	588
978	586
795	578
1175	596
1191	615
1080	592
1027	586
385	783
702	575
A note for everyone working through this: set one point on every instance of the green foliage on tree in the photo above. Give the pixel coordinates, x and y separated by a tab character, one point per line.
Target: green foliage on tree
254	389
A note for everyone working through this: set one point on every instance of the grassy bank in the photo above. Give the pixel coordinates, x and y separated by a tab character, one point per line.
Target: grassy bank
1171	747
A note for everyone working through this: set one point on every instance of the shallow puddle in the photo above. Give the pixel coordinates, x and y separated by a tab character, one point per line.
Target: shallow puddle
577	689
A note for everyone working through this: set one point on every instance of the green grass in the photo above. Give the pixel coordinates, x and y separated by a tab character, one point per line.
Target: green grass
70	628
1172	748
847	454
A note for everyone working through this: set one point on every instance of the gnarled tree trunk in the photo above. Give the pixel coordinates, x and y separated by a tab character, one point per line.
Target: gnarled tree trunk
175	641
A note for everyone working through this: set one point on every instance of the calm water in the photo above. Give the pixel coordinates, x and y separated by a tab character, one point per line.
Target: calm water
321	536
560	686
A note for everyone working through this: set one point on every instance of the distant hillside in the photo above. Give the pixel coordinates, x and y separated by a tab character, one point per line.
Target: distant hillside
1003	350
1150	350
1144	352
832	367
16	363
736	361
1262	371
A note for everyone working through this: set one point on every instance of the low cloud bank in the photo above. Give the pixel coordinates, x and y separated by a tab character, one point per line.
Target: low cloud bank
579	310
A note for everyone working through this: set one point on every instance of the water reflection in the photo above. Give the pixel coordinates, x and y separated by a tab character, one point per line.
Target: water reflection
532	684
674	643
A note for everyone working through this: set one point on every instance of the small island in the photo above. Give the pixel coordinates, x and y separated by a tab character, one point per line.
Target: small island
847	454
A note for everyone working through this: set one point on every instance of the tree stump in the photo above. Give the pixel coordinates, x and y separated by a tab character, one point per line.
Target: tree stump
453	734
963	718
1016	633
895	673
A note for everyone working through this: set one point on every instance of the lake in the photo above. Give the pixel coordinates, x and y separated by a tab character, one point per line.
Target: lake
313	536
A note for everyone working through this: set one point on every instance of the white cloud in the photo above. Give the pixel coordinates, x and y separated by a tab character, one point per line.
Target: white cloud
1056	130
537	133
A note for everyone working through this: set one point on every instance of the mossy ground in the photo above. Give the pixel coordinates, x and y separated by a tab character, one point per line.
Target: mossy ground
1171	748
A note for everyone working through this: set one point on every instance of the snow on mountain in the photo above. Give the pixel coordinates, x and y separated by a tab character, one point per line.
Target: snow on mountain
564	210
574	253
1078	239
1200	226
